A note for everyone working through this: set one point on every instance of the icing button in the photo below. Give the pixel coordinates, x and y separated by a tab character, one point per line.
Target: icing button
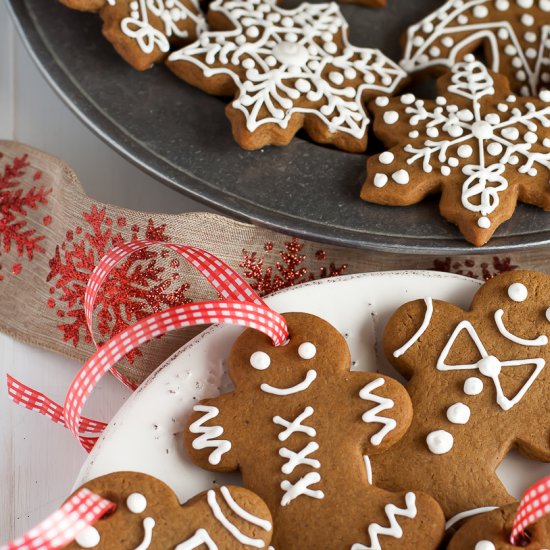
458	413
440	442
489	366
473	386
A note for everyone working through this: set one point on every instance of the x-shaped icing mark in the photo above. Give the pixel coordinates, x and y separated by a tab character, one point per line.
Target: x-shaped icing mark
491	366
301	487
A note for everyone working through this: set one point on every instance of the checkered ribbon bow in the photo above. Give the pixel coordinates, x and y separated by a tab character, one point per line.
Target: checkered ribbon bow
239	305
534	504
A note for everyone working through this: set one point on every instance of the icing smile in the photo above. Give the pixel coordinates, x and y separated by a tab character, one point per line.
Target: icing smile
539	341
303	385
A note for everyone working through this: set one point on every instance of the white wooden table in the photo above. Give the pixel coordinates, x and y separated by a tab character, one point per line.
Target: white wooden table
38	460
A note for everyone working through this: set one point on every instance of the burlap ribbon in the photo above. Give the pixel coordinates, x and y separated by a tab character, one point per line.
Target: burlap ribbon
52	235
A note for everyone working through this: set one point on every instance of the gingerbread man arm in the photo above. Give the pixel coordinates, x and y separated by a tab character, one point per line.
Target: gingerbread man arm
207	438
384	409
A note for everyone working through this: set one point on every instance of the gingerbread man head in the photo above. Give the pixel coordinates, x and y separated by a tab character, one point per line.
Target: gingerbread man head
148	516
479	383
300	427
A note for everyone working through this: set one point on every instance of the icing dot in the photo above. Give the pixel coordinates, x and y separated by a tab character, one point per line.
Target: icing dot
302	85
307	350
387	157
289	53
465	151
510	133
253	32
492	118
527	19
350	73
545	96
435	51
531	53
336	78
489	366
458	413
502	5
331	47
401	177
418	41
88	538
473	386
407	99
494	149
484	545
480	12
544	5
530	137
382	101
484	222
414	134
453	162
260	360
530	37
448	42
482	130
432	132
445	171
518	292
440	442
391	117
502	107
462	19
548	314
380	180
525	3
136	503
510	50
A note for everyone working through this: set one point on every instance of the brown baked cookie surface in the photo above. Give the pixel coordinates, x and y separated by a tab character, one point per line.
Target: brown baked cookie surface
480	146
149	516
514	35
491	531
287	70
479	382
301	429
144	31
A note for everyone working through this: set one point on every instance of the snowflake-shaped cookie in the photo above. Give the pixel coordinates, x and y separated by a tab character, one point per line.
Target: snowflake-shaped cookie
482	147
515	35
287	69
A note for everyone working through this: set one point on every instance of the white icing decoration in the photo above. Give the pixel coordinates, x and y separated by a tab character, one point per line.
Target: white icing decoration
137	24
473	386
548	314
477	137
302	386
301	487
459	413
380	180
391	117
233	529
490	366
503	34
387	157
440	442
136	503
382	101
401	177
148	525
368	468
307	350
209	434
384	404
242	513
296	425
539	341
518	292
260	360
418	334
485	545
200	537
267	94
467	514
88	538
300	458
394	530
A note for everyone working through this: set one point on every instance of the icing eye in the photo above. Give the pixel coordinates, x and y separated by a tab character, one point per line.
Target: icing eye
88	537
307	350
518	292
136	503
260	360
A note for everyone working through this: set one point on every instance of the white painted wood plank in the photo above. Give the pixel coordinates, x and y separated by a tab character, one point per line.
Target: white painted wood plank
6	73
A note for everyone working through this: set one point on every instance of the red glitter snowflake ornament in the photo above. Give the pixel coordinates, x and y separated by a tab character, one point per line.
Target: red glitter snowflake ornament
135	288
15	203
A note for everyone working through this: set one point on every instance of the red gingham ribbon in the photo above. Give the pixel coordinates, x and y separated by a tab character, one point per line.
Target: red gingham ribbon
242	307
534	504
83	509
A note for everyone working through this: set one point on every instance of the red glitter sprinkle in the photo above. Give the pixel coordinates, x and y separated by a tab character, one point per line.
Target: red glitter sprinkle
268	246
47	220
51	303
121	221
469	267
15	201
37	175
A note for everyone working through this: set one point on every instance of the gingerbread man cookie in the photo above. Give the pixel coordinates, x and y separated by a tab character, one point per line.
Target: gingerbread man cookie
144	31
287	69
301	428
491	531
515	35
476	143
148	516
479	385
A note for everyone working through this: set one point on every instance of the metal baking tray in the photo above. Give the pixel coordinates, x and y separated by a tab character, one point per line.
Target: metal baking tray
180	136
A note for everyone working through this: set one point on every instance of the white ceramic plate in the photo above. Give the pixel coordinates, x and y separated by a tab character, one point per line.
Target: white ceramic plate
145	435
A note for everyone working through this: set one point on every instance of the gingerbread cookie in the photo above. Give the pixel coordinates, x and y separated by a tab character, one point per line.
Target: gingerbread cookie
479	385
301	429
515	35
148	516
287	69
480	146
491	531
144	31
